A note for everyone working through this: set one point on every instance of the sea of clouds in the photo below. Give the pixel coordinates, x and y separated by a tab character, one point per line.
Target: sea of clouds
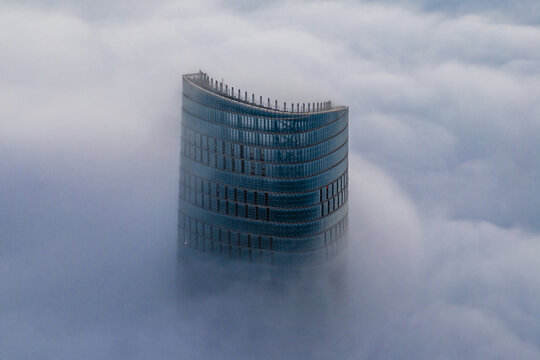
444	179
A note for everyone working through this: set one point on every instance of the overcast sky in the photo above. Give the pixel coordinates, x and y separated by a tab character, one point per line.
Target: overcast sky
445	174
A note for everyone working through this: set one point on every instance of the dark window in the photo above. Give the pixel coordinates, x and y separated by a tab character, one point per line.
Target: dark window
266	199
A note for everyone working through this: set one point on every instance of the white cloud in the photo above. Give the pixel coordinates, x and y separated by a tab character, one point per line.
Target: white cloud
444	134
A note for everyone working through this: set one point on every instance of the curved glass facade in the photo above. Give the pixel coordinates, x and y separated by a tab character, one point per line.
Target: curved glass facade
261	183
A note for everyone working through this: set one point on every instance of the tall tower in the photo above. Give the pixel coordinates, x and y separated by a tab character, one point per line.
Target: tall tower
261	182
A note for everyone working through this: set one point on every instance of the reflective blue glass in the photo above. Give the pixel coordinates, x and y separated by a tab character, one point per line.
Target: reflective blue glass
261	183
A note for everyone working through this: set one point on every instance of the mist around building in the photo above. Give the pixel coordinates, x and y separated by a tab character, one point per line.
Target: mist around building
444	231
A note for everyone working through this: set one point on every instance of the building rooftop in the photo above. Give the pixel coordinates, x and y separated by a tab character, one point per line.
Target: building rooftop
204	81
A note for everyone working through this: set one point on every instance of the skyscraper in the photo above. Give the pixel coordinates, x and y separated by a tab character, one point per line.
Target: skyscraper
261	182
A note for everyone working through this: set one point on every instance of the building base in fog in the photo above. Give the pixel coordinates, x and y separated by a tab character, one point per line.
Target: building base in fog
203	271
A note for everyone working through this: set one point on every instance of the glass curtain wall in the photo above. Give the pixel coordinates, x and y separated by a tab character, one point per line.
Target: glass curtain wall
259	182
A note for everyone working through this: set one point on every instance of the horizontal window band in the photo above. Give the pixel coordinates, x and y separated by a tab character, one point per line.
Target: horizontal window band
279	240
287	137
225	242
318	172
267	228
289	216
284	194
193	226
276	215
270	168
261	183
209	202
275	162
298	152
263	206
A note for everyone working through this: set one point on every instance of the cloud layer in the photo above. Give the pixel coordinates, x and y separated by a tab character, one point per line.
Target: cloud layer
444	136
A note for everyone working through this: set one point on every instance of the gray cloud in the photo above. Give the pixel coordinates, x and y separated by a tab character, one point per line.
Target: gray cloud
444	135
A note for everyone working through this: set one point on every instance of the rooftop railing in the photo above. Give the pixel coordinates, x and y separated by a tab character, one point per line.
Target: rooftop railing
218	87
